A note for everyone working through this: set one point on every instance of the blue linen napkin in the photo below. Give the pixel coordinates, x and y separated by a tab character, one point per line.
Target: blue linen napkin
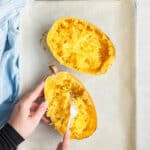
9	55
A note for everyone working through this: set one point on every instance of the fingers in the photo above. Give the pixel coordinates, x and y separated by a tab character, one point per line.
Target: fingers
66	141
33	95
59	147
34	107
41	94
45	120
40	111
65	144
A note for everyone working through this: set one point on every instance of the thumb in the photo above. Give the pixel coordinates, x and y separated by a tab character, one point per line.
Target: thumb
40	111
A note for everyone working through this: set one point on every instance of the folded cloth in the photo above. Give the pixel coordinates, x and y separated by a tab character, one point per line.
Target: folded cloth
9	55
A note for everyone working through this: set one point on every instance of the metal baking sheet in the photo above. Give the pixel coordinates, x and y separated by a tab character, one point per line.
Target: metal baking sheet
113	93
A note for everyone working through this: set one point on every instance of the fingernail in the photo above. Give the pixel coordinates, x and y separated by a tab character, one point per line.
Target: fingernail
45	120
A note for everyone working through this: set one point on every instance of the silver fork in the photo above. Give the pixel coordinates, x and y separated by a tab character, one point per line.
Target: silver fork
73	113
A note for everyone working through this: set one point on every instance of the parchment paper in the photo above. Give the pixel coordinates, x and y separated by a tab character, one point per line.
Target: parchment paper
113	93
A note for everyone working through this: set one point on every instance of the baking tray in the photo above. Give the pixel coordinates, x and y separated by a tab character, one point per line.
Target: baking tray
113	93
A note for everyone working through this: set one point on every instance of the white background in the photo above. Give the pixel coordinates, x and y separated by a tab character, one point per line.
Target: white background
143	65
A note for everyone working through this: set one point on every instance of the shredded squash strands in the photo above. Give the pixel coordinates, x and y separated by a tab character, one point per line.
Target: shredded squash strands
62	89
80	45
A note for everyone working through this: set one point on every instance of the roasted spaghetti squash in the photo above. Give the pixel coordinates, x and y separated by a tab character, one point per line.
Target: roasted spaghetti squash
62	88
80	45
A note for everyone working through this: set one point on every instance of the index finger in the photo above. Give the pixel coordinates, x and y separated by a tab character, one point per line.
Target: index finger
34	94
66	141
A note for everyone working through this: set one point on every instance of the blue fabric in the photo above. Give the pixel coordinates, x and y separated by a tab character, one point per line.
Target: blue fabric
9	55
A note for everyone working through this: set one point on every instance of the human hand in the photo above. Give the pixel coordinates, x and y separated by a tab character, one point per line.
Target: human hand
65	144
27	114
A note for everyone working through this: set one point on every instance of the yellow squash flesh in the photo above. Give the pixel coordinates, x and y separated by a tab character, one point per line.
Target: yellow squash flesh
59	91
80	45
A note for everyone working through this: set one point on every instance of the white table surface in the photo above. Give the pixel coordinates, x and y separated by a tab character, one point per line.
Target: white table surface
143	77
